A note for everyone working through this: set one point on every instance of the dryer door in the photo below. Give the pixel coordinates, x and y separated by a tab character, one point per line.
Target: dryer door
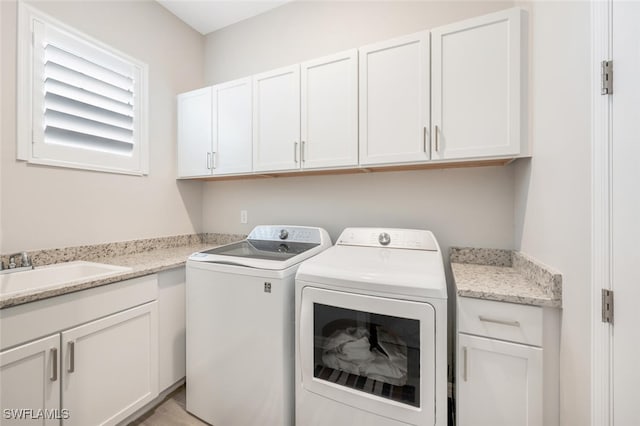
373	353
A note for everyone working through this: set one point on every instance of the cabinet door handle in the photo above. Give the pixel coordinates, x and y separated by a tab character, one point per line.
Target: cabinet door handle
302	155
424	138
208	161
54	364
499	321
295	151
464	363
436	136
71	347
213	160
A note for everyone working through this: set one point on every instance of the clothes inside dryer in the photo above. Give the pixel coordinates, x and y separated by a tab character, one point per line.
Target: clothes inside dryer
373	353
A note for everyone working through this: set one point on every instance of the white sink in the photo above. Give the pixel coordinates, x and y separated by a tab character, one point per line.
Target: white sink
55	275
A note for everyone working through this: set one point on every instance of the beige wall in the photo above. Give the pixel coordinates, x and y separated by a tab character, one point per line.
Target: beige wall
46	207
540	206
305	30
552	206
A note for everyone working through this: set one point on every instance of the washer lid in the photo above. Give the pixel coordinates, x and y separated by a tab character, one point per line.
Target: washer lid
407	272
273	247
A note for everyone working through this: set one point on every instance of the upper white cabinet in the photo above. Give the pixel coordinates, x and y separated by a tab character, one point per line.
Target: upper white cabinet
478	87
394	100
232	137
454	94
276	120
330	111
194	132
214	130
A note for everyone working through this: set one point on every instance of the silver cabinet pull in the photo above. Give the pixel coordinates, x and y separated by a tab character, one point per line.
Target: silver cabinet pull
302	155
54	364
295	151
436	136
208	161
213	160
464	363
71	346
424	138
499	321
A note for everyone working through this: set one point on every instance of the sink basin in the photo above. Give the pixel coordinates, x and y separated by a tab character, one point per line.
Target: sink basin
55	275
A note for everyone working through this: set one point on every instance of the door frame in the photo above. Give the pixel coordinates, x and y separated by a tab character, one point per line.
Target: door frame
601	235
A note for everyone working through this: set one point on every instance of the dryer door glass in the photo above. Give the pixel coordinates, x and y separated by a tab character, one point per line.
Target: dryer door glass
369	352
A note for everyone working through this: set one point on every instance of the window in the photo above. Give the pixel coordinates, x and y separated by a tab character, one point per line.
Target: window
81	104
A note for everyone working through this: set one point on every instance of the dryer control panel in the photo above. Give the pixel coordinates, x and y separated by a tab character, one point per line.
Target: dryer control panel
412	239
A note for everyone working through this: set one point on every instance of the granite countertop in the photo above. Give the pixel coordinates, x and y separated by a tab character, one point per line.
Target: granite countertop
139	255
505	276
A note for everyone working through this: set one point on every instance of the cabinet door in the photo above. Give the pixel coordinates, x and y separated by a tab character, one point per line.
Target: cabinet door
232	138
30	380
394	100
330	111
110	366
478	85
276	120
498	383
194	133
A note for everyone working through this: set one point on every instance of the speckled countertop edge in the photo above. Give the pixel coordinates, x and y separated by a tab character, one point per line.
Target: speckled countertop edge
144	261
506	276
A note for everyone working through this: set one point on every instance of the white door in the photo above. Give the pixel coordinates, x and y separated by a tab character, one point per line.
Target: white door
476	87
330	111
30	379
232	140
499	383
625	211
276	119
394	100
110	366
194	133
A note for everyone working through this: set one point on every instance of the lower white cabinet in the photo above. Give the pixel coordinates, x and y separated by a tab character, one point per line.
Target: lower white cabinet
506	364
110	367
500	384
30	379
84	358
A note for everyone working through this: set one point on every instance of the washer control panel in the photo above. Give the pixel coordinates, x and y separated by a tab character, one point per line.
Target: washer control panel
413	239
296	234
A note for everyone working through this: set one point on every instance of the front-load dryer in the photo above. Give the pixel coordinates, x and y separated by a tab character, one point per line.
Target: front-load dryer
371	331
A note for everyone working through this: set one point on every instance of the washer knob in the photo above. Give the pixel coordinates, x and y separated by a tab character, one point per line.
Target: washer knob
283	234
384	239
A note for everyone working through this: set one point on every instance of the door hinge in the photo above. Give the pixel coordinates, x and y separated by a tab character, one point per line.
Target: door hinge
607	306
606	75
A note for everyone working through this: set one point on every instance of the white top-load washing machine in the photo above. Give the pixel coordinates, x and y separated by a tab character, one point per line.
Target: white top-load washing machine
240	333
371	331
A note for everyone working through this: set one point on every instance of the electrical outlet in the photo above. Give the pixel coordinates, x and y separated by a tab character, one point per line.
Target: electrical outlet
243	216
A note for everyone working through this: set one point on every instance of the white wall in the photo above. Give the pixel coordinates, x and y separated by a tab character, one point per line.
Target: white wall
552	206
45	207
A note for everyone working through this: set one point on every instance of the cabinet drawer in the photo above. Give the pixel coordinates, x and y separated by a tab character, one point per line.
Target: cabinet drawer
500	320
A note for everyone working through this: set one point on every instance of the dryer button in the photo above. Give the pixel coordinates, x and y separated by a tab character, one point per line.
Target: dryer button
384	239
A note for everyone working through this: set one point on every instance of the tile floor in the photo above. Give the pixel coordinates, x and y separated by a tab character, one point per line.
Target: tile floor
170	412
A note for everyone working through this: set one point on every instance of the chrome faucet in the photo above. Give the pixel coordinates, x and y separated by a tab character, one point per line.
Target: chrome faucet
25	263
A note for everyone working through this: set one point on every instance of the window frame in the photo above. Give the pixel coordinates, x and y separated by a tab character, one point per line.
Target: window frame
28	100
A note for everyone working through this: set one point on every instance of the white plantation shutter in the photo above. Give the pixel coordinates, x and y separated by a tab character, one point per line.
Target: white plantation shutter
87	102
